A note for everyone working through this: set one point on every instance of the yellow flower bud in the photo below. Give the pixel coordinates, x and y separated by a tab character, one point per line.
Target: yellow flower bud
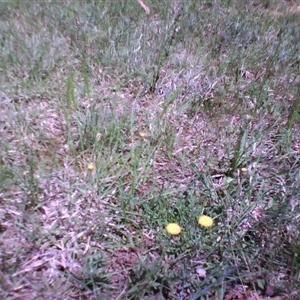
205	221
173	228
91	166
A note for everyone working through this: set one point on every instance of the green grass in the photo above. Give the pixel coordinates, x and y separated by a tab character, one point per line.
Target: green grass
191	110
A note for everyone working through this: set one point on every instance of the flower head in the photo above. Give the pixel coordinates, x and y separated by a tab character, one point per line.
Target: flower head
142	134
205	221
91	166
173	228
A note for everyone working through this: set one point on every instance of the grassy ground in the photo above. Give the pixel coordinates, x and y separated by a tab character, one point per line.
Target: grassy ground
114	123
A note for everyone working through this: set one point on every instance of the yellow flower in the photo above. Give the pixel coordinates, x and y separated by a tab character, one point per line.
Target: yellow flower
91	166
173	228
244	169
205	221
142	134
